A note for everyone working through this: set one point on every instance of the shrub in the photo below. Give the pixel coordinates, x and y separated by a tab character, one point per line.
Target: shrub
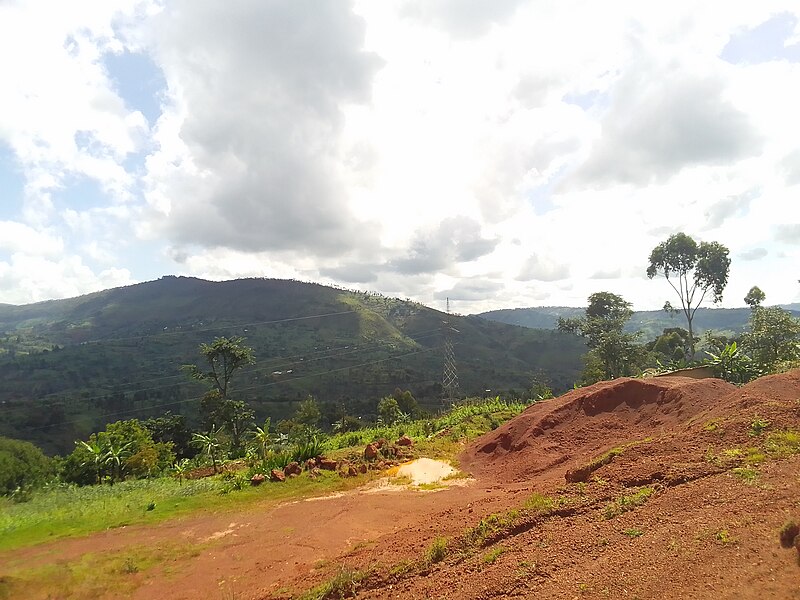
22	466
437	550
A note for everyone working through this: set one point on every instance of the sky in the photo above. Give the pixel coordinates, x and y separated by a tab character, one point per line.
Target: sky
500	153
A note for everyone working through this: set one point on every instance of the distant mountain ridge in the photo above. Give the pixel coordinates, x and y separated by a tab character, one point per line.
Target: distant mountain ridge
69	366
650	322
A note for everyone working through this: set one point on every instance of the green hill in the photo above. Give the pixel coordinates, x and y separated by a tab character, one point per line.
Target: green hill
730	321
69	366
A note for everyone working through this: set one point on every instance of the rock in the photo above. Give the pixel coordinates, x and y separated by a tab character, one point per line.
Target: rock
362	468
277	475
258	479
381	443
327	464
579	474
352	471
311	464
405	441
293	469
371	451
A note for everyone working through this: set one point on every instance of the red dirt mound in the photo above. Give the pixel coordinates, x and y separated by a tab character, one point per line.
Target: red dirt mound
567	430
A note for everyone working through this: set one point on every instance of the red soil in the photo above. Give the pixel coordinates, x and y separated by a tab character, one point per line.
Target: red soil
705	532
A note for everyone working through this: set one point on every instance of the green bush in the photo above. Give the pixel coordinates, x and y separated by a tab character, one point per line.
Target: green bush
22	466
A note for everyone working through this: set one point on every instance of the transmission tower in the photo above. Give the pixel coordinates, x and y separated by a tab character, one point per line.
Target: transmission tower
450	372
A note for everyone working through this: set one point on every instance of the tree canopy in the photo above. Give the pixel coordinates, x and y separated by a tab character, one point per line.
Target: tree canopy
694	271
602	326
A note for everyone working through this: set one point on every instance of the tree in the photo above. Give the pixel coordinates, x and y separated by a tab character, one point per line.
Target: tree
754	297
696	269
172	428
224	357
308	413
773	337
22	466
602	326
389	411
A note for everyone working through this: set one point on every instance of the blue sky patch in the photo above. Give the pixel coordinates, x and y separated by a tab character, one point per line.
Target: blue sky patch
764	43
138	80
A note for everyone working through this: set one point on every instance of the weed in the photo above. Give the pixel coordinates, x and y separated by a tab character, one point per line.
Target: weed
788	533
724	537
732	453
754	456
437	550
129	566
476	536
431	486
757	426
628	502
343	585
783	443
493	555
713	426
539	503
746	474
633	532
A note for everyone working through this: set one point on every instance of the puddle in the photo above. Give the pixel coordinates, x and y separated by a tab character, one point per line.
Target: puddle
422	471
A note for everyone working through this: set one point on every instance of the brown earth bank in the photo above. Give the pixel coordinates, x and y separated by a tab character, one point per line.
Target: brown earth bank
677	489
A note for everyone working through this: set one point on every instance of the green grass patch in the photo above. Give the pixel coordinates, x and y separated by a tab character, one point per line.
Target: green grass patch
628	502
747	474
781	444
73	511
344	584
92	575
492	555
757	426
633	532
488	526
539	503
437	551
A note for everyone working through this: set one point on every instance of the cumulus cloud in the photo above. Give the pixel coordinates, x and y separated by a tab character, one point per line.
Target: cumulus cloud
471	290
20	238
753	254
732	206
542	269
26	278
790	167
662	120
257	90
789	233
455	240
461	18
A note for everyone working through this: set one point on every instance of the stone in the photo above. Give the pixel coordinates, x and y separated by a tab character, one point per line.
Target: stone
258	479
293	469
311	464
362	468
277	475
405	441
371	451
327	464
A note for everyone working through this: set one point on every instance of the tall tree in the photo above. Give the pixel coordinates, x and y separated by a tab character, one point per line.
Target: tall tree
754	297
602	326
224	357
693	270
774	337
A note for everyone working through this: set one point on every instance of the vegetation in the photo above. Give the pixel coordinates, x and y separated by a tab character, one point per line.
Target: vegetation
23	466
693	270
437	551
602	327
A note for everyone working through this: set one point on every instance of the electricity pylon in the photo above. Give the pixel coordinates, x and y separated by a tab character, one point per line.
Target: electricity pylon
450	372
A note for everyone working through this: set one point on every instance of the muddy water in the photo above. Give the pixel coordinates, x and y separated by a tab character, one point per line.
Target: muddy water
424	470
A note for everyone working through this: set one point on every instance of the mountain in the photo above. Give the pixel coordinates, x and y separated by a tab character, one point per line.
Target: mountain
730	321
67	367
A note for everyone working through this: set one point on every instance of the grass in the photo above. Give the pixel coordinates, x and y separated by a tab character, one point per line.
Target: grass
488	526
758	426
74	511
723	536
92	574
64	511
628	502
539	503
343	585
747	474
437	551
633	532
492	555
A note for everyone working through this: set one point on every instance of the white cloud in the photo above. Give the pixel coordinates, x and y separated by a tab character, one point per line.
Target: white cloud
20	238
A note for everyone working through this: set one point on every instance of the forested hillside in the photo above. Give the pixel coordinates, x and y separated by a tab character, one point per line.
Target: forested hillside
727	321
69	366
